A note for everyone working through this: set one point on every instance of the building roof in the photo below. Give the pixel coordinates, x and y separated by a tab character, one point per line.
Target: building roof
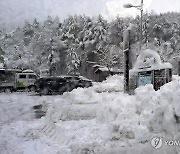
105	69
149	60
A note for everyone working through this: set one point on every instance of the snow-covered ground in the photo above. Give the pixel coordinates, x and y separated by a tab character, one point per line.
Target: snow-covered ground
20	132
95	120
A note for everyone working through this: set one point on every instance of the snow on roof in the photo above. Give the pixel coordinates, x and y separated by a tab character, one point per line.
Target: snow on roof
149	60
28	71
97	66
105	69
83	78
12	70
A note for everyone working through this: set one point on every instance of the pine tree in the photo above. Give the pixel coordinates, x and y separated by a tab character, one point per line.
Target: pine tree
116	31
73	62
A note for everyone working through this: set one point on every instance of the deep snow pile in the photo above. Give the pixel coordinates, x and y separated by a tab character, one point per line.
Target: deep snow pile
112	84
102	119
99	119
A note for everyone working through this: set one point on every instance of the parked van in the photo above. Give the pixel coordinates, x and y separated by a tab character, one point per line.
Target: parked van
13	79
26	80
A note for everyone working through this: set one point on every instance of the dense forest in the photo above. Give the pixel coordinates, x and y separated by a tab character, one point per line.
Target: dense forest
65	46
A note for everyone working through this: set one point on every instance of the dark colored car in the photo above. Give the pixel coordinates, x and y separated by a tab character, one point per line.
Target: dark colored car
48	85
60	84
77	81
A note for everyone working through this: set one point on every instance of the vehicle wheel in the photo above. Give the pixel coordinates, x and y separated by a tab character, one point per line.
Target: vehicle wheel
87	85
62	89
26	89
44	91
13	89
68	88
7	90
79	86
32	88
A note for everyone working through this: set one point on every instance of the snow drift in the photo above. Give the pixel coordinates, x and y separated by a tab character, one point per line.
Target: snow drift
102	119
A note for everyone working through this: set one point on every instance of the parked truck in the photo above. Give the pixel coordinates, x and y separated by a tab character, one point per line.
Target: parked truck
15	79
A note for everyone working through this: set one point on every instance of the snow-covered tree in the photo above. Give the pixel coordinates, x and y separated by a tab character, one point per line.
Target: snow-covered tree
1	55
107	57
30	46
73	62
116	31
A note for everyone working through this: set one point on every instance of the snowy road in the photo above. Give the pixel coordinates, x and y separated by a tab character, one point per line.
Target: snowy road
19	130
18	106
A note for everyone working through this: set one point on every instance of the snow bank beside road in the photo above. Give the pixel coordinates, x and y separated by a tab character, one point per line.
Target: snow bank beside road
119	122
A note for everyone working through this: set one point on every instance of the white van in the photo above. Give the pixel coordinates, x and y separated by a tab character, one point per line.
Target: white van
25	80
13	79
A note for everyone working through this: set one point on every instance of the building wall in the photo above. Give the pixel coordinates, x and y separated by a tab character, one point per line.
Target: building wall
177	47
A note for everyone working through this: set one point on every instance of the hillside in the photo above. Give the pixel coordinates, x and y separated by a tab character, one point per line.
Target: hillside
51	44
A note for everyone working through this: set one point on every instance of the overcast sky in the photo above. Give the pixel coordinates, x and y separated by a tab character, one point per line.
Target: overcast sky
15	12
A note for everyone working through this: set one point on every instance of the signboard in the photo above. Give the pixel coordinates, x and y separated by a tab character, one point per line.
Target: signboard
143	80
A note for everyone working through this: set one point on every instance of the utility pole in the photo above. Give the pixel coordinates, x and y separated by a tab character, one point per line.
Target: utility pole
139	7
140	38
128	38
127	58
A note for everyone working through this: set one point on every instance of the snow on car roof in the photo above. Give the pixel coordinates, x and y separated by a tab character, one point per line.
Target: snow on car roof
28	71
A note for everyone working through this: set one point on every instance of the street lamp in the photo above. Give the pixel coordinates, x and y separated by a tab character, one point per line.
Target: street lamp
139	7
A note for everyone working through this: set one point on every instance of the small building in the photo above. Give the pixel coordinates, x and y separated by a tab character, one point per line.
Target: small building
102	73
176	65
149	69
